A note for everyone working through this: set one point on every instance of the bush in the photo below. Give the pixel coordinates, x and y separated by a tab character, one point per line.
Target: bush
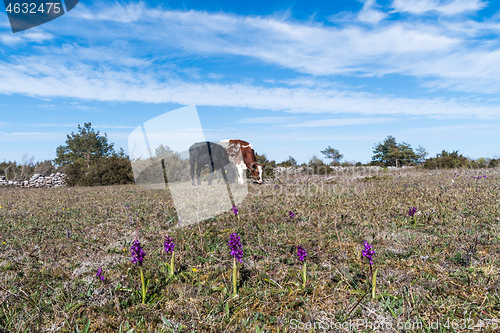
151	170
25	169
45	168
319	167
291	162
447	160
114	170
348	163
378	163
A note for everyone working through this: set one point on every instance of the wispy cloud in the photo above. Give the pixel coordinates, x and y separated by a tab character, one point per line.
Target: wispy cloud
490	132
42	78
308	47
113	126
7	38
107	68
112	12
410	48
452	7
341	122
51	125
31	137
74	126
266	120
369	14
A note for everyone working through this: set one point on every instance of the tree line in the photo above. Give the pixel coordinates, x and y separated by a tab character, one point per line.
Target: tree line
89	159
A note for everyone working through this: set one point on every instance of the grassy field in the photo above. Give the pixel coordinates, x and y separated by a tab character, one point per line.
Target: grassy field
438	269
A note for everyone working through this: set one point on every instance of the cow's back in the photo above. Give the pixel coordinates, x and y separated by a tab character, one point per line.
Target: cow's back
234	151
199	152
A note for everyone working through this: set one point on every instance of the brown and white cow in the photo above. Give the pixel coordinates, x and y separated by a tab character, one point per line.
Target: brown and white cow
241	153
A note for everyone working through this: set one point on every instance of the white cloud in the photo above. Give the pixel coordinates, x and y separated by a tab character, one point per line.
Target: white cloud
341	122
28	133
452	7
103	71
51	125
451	132
115	55
369	14
114	126
266	120
8	38
37	37
31	137
4	22
39	77
215	76
305	47
115	12
410	48
75	125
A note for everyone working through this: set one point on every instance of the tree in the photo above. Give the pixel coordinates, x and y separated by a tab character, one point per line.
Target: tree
390	153
166	152
319	167
291	162
422	154
482	162
334	154
86	146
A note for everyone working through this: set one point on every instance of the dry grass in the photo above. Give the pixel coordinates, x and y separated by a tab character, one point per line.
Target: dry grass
442	265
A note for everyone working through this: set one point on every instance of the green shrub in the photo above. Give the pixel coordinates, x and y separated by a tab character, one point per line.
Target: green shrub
114	170
319	167
447	160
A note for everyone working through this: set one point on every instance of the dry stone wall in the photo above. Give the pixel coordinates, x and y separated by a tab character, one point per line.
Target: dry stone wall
38	180
336	169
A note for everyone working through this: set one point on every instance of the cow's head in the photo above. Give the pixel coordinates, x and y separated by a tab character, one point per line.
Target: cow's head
256	171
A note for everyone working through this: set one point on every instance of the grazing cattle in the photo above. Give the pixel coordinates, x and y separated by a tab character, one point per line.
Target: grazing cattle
213	155
241	153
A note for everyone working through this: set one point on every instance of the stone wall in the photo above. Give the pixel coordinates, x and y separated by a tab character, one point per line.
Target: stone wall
335	169
38	180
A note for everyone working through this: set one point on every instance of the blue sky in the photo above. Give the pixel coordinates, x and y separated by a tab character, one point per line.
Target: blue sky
290	77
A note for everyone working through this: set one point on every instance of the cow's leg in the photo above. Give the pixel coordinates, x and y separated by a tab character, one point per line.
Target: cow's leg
240	169
224	175
210	174
198	172
191	162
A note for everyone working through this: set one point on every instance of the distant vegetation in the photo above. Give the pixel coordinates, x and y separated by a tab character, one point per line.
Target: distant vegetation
89	159
391	153
25	169
446	160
